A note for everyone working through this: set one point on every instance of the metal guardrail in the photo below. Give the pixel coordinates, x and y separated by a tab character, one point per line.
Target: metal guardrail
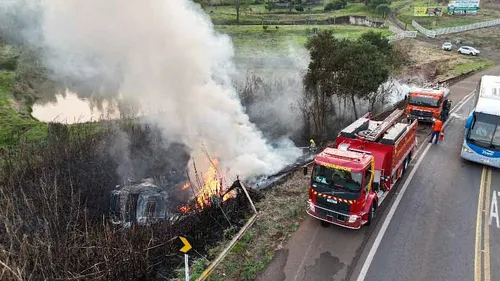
455	29
423	30
400	34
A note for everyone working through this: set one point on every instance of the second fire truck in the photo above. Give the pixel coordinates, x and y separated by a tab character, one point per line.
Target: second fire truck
427	104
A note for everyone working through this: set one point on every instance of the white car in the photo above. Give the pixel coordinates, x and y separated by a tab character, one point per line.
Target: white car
447	46
466	50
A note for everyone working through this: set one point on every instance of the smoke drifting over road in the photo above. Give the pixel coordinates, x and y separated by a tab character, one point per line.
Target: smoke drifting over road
160	56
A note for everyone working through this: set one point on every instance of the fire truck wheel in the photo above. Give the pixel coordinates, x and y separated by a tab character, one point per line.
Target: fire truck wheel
406	163
371	215
325	224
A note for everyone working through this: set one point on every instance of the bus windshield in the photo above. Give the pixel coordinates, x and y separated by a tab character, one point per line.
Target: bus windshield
424	101
337	179
485	131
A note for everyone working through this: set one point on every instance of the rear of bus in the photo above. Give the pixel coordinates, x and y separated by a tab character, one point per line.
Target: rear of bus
482	129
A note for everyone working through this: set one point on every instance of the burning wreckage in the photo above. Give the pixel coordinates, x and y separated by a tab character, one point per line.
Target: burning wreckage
146	203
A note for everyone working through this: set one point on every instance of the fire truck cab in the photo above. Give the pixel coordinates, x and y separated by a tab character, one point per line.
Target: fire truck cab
349	181
424	104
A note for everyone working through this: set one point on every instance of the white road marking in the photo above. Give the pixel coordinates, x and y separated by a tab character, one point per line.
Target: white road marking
494	208
388	219
385	225
463	102
458	116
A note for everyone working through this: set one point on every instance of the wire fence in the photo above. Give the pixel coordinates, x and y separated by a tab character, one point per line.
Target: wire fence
455	29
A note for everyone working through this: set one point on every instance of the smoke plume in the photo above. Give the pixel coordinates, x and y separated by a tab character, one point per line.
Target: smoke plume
161	55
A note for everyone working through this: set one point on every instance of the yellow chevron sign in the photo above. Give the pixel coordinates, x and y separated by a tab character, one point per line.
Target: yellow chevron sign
186	246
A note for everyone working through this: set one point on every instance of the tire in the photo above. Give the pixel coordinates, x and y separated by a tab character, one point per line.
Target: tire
325	224
406	164
371	215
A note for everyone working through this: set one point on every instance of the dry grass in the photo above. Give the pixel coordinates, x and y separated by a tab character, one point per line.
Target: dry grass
433	63
280	213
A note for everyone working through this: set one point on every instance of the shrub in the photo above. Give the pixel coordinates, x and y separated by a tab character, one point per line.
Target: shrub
8	63
329	7
335	5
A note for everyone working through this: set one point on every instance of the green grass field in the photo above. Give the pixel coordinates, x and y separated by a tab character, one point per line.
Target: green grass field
255	42
406	15
16	122
474	64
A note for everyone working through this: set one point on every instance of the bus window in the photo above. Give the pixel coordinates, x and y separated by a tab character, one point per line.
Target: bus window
482	132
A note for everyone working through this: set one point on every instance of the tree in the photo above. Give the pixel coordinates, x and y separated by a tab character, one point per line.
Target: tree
394	57
335	5
350	70
383	9
241	6
237	4
378	40
321	80
364	71
373	4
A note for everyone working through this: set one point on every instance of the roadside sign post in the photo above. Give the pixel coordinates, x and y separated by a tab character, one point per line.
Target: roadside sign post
185	249
186	264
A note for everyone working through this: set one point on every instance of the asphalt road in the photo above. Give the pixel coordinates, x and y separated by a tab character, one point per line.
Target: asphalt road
438	217
494	226
441	229
432	234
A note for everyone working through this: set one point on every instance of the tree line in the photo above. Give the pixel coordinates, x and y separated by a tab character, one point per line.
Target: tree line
380	7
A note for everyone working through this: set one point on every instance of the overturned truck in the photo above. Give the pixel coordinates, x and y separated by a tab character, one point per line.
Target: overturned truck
142	202
145	203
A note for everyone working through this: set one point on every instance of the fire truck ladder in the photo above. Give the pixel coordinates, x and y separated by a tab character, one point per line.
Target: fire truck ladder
386	124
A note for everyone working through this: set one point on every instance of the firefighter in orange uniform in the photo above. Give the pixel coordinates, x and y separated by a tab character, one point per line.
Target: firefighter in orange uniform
437	127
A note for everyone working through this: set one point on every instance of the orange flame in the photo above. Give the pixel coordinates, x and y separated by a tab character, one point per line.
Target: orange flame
186	185
184	209
213	187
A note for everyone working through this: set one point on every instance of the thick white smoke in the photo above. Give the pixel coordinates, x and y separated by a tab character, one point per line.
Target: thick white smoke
165	55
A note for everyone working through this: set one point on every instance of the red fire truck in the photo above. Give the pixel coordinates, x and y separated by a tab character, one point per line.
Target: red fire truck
349	181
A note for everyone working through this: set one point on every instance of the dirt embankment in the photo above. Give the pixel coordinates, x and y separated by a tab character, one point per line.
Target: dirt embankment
429	63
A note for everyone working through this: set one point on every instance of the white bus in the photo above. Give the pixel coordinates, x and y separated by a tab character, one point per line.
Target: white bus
482	128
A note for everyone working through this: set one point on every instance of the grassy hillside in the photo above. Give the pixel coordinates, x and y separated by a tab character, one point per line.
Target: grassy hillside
16	122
